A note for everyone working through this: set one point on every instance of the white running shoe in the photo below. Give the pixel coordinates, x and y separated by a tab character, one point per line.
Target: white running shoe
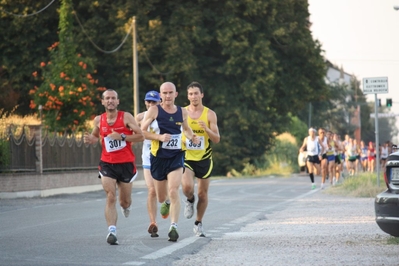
198	230
111	238
322	186
126	211
189	209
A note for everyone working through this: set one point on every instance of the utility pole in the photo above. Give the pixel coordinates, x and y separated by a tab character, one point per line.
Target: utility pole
136	104
376	86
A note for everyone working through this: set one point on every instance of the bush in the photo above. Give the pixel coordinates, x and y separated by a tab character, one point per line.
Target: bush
282	159
362	185
5	154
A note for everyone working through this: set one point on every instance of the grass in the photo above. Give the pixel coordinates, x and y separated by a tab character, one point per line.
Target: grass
15	122
363	185
393	240
277	168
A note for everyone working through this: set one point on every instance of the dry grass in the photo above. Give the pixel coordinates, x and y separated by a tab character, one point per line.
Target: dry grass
287	137
277	168
363	185
9	120
16	123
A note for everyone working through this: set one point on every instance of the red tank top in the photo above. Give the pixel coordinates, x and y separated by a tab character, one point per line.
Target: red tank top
115	151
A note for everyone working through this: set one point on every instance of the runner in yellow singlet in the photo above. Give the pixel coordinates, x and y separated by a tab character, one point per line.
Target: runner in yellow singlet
198	159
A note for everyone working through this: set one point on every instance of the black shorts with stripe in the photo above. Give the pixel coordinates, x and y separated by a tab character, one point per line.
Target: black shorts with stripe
202	169
122	172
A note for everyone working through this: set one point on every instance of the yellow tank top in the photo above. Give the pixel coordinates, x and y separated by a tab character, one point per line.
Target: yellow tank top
203	150
331	151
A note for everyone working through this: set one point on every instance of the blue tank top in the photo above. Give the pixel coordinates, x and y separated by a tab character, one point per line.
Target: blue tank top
170	124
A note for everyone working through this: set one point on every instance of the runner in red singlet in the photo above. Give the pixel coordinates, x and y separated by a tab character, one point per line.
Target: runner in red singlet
117	131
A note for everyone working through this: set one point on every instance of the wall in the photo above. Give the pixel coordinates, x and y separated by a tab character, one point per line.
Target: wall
48	184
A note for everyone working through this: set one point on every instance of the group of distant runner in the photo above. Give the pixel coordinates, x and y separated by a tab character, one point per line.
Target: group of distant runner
328	155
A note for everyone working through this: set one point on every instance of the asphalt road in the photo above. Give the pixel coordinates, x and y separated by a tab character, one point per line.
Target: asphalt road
71	229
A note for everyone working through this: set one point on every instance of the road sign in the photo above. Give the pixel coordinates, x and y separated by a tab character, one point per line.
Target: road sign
384	115
375	85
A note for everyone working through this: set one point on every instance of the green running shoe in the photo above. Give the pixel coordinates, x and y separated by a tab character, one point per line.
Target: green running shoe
164	210
173	234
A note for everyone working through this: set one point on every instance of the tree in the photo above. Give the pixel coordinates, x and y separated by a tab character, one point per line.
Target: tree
67	90
23	43
257	61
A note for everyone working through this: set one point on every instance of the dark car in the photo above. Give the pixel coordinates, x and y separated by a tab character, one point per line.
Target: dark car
387	203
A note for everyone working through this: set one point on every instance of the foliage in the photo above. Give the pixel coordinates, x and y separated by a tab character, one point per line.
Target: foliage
257	61
23	43
4	144
67	91
298	129
362	185
280	160
5	153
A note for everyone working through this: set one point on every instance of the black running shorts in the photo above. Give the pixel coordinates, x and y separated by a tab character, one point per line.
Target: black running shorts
122	172
201	169
161	167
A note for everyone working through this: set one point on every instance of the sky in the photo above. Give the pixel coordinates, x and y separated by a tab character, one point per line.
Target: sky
362	36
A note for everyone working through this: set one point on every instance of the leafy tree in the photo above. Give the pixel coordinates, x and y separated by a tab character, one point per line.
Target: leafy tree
257	61
298	129
67	90
23	41
254	59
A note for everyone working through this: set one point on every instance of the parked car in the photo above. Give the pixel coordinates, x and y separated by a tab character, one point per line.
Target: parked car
387	203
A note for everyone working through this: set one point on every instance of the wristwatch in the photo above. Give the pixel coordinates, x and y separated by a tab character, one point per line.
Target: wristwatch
123	136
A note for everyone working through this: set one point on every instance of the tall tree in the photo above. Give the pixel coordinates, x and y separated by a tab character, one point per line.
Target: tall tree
256	59
27	29
67	89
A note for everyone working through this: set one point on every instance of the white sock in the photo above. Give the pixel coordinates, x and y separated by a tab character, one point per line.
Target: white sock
112	228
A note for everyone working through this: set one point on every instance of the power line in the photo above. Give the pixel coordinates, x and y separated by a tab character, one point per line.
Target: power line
90	39
95	45
28	15
150	63
116	49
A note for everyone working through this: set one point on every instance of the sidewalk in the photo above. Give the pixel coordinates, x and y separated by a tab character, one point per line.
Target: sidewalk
319	229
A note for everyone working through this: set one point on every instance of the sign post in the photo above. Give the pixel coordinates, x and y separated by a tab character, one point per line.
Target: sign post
376	86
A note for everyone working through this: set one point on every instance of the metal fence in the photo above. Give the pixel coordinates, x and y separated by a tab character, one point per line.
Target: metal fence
35	150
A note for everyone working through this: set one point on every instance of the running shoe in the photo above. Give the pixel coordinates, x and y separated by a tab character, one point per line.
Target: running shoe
322	186
164	210
126	211
198	230
153	230
313	186
173	234
111	238
189	209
